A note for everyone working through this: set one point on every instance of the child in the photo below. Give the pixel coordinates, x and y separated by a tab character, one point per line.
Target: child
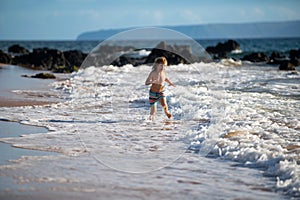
156	79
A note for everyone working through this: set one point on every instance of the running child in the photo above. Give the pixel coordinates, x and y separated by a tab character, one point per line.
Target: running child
156	79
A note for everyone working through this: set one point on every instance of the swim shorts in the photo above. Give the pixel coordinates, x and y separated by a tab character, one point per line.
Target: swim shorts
155	96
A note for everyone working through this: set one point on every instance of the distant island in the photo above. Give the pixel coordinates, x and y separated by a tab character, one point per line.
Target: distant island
287	29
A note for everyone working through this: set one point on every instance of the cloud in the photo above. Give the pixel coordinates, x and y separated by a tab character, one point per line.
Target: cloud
288	13
258	12
89	13
158	16
191	16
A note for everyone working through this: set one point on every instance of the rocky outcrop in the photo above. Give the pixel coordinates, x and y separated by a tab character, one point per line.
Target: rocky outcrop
69	61
51	59
5	58
74	57
256	57
222	49
41	76
41	58
276	58
286	65
17	49
295	57
124	60
174	54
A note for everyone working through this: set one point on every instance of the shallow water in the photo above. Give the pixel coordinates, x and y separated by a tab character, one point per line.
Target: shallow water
15	87
10	79
82	177
15	129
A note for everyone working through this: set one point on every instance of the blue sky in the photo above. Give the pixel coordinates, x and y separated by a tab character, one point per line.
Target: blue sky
66	19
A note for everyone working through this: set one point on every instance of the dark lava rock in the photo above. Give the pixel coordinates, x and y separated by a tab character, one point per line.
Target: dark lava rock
74	57
123	60
295	57
51	59
5	58
41	58
174	54
276	59
41	75
65	69
221	49
256	57
17	49
286	66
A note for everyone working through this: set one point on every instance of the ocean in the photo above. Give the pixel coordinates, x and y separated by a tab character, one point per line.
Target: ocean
235	129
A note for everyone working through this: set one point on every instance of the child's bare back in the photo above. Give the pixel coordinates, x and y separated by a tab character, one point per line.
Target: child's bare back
157	80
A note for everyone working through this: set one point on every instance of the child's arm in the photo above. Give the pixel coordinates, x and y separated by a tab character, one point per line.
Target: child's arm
169	82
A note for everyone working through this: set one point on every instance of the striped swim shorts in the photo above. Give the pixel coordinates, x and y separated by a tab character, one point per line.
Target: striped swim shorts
155	96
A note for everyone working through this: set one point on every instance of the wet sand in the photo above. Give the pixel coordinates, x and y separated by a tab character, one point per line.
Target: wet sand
22	102
82	177
16	90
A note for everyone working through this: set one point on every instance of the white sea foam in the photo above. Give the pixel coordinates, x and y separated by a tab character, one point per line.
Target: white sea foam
138	54
237	51
248	114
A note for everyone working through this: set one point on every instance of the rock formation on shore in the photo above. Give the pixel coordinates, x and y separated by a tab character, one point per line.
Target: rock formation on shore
43	59
51	59
285	63
68	61
222	49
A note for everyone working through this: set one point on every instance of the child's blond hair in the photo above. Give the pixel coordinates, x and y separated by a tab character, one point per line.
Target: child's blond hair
159	60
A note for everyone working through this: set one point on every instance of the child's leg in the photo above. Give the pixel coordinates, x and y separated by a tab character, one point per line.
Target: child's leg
152	111
164	104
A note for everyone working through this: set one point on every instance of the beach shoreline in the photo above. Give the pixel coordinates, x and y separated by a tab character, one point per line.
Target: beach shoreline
16	91
11	95
4	102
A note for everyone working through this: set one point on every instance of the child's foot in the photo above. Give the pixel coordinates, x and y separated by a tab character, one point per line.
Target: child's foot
151	117
169	115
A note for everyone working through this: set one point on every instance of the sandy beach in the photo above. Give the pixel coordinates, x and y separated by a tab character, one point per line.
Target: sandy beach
17	103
